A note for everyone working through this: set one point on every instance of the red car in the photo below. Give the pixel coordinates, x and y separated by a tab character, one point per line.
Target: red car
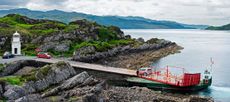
43	55
144	71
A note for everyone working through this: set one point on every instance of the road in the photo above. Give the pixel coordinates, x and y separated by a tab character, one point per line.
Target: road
75	64
16	58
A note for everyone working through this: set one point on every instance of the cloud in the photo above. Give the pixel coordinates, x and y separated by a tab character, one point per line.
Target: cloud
213	12
7	4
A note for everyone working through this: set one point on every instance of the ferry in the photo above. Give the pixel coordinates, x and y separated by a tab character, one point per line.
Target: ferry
171	78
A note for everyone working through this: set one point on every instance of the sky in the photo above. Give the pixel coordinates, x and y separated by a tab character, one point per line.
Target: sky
209	12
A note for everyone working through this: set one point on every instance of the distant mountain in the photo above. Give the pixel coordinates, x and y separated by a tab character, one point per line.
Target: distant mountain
128	22
224	27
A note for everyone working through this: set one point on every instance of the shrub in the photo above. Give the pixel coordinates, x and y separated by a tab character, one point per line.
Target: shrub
105	34
29	49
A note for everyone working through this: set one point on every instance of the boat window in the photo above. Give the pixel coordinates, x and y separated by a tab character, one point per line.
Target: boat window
142	69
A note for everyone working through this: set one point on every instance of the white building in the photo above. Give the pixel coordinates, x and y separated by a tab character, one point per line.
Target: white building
16	44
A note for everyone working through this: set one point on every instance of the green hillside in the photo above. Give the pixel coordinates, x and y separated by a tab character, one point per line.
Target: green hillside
224	27
129	22
45	33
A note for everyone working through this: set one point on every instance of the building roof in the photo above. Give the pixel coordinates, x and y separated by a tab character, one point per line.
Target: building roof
16	33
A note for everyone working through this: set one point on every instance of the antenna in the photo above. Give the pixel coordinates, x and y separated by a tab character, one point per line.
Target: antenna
212	62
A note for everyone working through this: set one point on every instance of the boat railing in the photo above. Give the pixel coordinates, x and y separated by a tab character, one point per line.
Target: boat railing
164	75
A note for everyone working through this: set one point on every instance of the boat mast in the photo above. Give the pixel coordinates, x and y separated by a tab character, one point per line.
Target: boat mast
212	62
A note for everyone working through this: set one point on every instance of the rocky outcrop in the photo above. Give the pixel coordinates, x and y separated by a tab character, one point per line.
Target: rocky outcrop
50	34
141	94
138	60
2	89
81	79
32	98
12	68
14	92
88	54
60	82
56	46
50	75
200	99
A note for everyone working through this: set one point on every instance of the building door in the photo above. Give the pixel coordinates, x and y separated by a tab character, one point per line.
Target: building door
15	51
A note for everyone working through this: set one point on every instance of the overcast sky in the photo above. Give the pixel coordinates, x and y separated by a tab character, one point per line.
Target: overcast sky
211	12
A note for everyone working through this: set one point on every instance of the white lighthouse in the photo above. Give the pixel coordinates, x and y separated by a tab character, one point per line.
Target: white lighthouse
16	44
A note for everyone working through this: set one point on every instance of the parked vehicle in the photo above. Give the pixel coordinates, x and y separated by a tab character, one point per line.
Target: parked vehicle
144	71
43	55
7	55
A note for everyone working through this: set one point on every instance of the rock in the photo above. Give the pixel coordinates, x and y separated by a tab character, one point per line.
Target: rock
90	98
156	99
89	81
141	40
30	87
24	71
85	50
37	40
88	54
62	47
200	99
74	81
12	68
58	99
2	89
68	84
127	36
14	92
31	98
4	25
99	87
52	92
17	65
48	46
57	46
50	75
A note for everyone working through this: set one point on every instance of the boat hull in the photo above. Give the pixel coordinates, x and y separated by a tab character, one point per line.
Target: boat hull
135	81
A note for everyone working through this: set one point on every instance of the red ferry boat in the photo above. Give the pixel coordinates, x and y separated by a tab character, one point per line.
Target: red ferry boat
171	78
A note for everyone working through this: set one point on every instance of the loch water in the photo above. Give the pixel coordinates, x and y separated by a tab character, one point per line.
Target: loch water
199	47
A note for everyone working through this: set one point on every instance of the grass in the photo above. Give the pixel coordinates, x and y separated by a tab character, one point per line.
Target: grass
61	63
44	70
13	80
2	66
30	76
104	45
73	99
3	99
71	28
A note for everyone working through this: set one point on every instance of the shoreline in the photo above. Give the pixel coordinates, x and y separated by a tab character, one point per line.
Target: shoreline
139	59
59	82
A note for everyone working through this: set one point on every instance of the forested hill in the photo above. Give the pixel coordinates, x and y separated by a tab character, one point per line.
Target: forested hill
129	22
224	27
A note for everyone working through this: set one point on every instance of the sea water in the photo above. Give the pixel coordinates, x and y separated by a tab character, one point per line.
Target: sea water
199	47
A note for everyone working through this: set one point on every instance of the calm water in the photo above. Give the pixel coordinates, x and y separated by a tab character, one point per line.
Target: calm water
199	47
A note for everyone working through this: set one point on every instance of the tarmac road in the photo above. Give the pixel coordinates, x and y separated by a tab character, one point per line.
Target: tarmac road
16	58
